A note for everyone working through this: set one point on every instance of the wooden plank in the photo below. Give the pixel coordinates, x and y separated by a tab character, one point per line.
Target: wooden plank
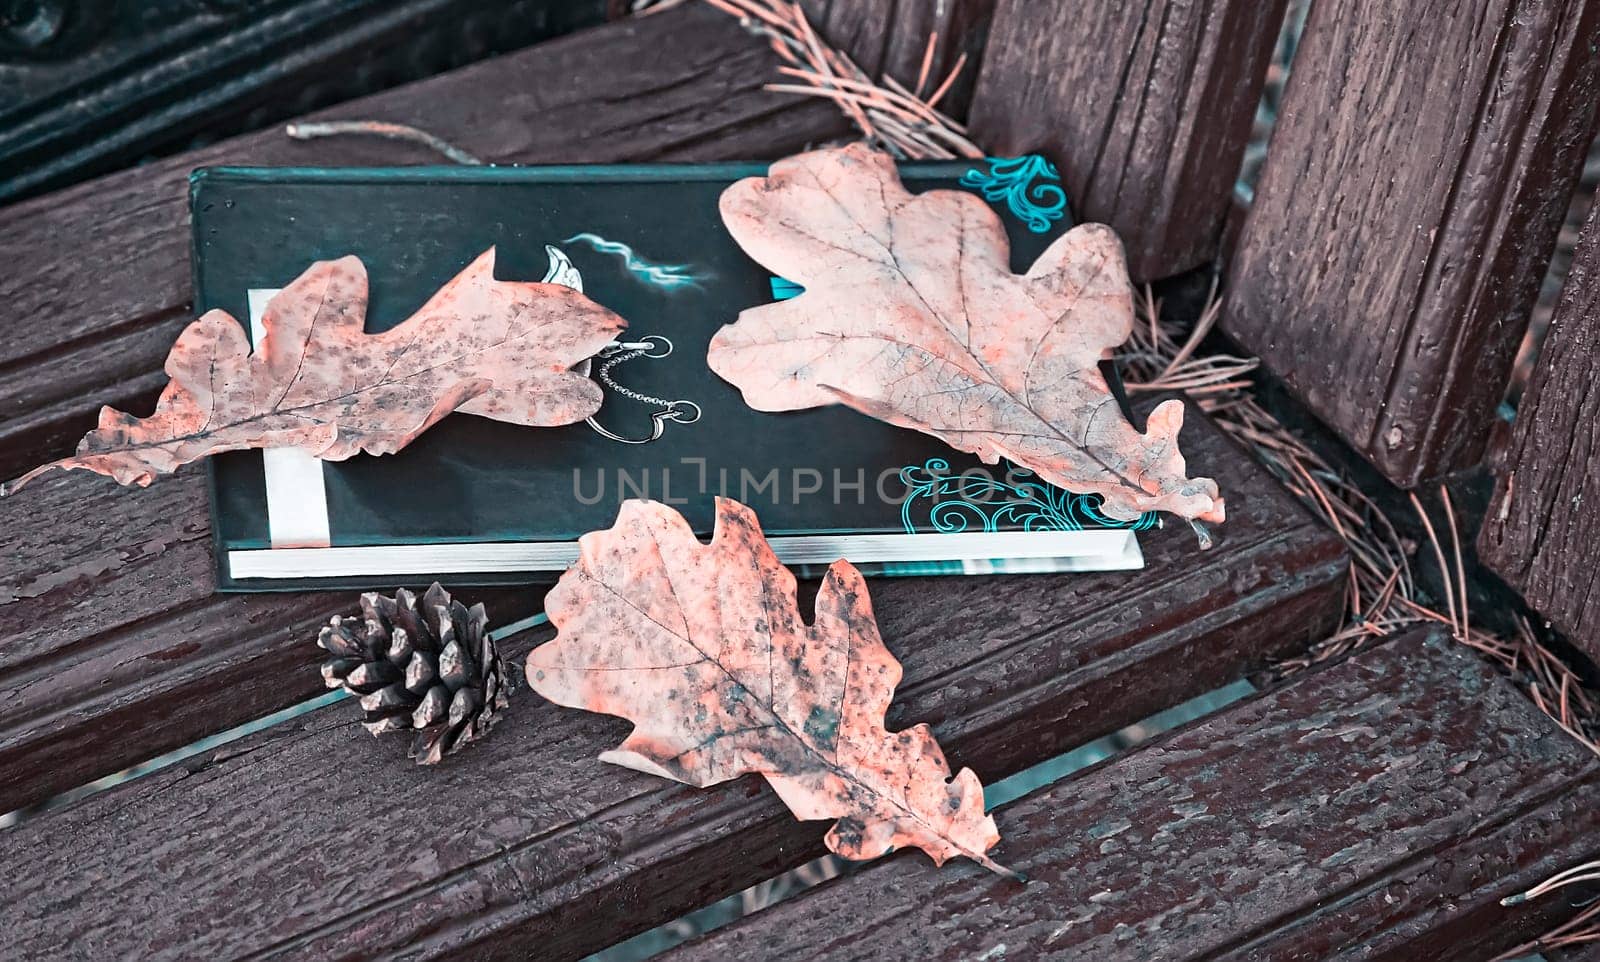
1376	810
292	842
1411	196
1542	530
1144	106
112	646
108	84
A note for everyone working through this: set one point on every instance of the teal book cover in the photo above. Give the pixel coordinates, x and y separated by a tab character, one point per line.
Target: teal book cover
474	501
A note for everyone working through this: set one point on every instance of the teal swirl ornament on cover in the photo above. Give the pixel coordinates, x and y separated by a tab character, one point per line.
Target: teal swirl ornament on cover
976	501
1030	186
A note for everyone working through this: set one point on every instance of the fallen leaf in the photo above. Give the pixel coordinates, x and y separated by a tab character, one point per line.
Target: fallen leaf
702	647
911	314
499	349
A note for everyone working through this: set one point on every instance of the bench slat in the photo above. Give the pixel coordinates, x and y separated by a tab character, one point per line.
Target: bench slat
113	647
310	840
1146	106
1542	530
1411	196
1374	810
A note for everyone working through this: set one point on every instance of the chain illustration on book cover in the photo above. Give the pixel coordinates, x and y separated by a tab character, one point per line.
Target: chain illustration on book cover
654	346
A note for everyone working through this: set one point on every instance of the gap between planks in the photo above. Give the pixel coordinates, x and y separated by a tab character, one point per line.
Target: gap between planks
996	796
164	680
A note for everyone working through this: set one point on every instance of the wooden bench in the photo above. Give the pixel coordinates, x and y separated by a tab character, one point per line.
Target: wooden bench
1375	807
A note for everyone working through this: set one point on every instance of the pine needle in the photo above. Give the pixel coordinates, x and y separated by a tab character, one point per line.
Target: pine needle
889	115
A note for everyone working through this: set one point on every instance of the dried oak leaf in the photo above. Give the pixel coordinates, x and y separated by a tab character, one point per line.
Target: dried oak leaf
911	314
702	647
499	349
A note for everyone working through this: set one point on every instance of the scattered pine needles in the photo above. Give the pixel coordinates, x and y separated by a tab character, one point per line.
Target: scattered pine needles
906	122
1383	598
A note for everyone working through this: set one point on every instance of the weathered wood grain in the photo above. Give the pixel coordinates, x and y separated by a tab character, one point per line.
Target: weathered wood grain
73	338
108	84
113	647
1145	107
1416	179
1375	810
1542	529
295	842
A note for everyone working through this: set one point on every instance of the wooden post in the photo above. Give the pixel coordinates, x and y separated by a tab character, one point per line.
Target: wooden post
1542	533
1410	199
1145	106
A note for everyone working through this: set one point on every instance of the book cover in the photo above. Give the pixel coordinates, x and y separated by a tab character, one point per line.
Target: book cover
474	501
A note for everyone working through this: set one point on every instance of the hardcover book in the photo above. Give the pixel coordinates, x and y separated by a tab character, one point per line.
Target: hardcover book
474	501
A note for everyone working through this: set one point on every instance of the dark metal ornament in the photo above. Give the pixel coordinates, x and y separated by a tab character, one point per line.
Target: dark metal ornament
427	666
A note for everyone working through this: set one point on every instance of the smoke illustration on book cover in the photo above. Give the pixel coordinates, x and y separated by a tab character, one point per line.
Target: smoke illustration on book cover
669	277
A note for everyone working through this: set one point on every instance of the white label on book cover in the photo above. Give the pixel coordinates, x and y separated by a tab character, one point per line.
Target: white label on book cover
297	500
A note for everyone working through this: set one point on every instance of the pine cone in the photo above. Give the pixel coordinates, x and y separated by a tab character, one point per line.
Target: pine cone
430	668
